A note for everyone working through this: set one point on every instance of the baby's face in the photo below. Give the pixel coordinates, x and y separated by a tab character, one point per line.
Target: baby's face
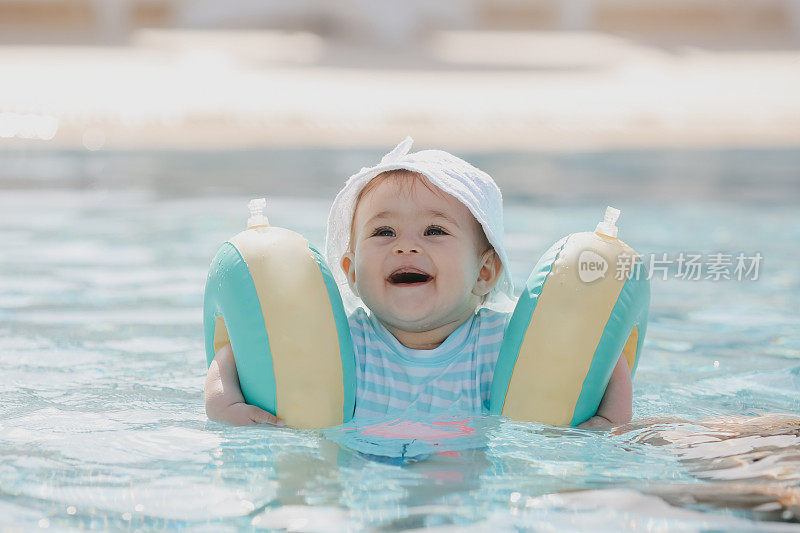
416	257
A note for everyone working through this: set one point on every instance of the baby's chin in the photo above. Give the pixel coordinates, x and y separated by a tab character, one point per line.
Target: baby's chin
419	318
416	321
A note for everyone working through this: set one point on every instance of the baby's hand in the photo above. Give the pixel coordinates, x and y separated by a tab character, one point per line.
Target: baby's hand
615	407
242	414
223	394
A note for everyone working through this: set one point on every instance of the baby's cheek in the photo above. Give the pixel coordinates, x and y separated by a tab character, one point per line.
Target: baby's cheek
366	274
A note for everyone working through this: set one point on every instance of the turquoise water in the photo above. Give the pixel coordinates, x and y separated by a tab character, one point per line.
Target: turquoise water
101	418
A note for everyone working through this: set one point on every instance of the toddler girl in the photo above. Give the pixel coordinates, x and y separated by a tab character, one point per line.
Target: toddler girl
416	246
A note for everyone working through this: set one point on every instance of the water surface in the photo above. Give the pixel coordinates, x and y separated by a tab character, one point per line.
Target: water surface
102	422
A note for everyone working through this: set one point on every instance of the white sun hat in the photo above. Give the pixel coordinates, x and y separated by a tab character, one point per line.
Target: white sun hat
471	186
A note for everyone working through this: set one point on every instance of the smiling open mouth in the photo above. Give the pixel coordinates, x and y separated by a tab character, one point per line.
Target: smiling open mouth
408	278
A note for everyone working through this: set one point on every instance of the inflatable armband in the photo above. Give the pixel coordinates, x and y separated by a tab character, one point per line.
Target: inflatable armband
271	295
585	303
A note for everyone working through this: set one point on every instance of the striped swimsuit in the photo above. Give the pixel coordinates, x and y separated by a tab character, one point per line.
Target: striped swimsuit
456	375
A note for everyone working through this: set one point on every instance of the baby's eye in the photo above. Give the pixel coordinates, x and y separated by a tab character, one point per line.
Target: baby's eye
383	232
436	230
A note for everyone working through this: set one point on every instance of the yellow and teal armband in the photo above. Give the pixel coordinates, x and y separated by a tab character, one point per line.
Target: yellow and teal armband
271	295
585	303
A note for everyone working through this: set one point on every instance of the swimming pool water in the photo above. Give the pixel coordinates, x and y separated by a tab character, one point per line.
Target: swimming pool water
101	406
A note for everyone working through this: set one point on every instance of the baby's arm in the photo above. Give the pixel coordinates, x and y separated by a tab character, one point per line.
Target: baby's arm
616	405
224	400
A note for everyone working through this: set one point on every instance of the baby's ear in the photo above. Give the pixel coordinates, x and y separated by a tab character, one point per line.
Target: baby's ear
349	267
491	266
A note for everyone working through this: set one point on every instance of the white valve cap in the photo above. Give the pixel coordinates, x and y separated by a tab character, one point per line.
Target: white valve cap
608	226
257	217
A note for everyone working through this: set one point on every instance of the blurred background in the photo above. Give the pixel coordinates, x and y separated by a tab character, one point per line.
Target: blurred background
575	75
119	91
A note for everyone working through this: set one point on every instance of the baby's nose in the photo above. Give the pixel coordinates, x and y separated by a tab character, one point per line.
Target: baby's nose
406	250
